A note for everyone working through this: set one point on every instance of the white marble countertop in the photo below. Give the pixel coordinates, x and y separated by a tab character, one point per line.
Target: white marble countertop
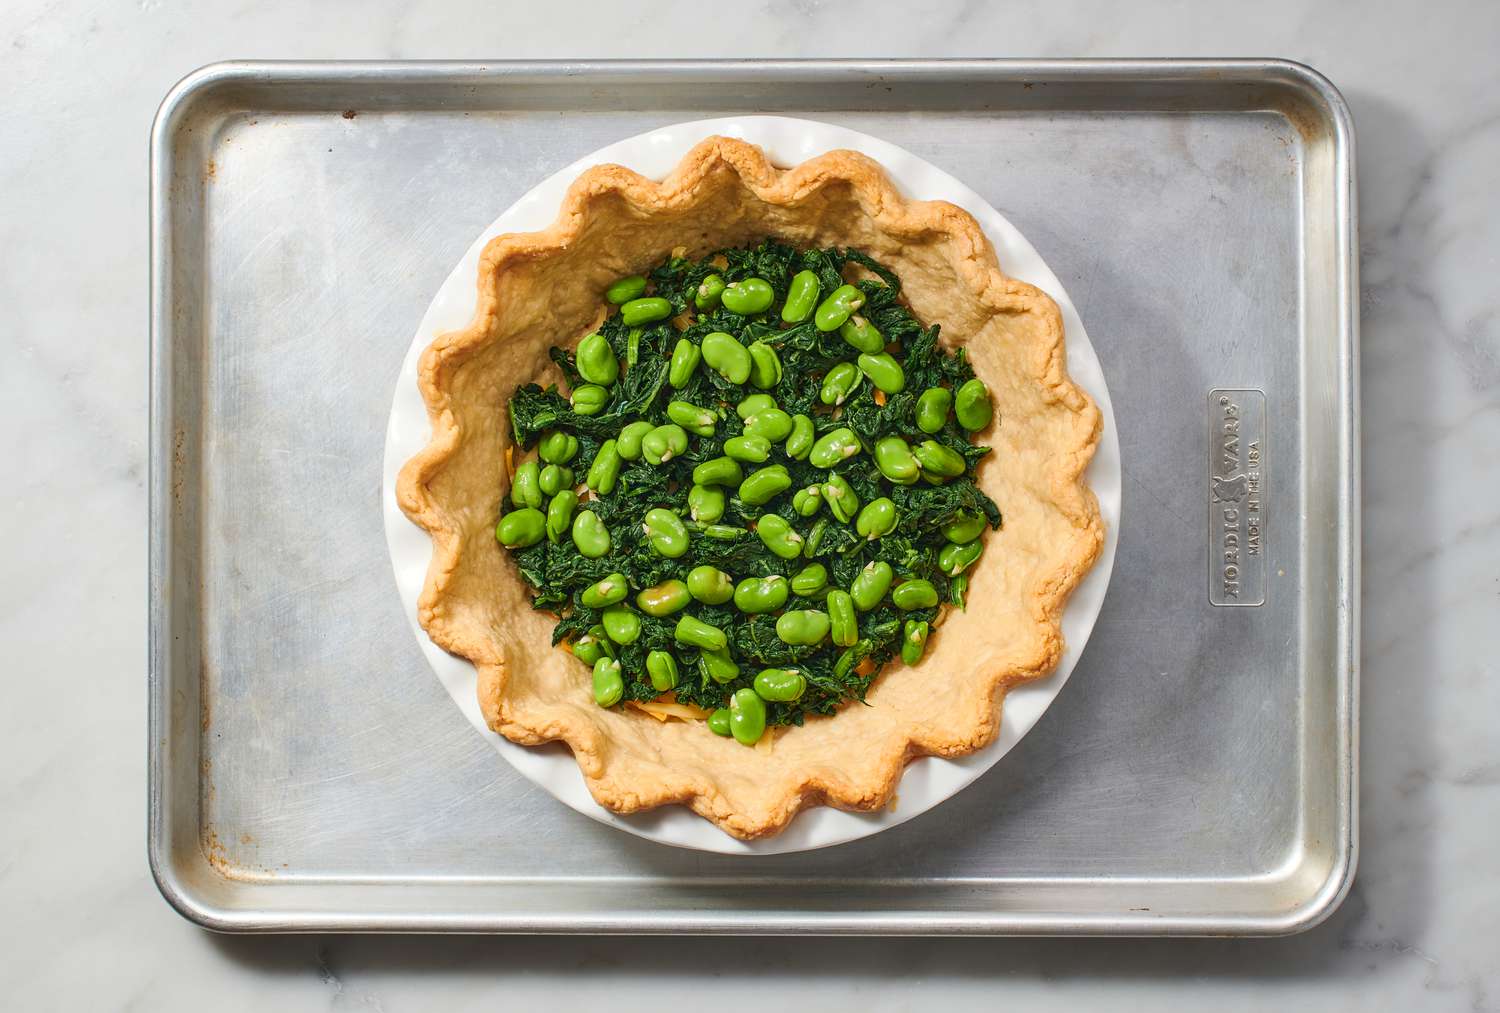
83	925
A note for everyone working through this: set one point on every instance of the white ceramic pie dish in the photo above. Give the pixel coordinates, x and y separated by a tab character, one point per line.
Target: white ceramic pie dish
786	141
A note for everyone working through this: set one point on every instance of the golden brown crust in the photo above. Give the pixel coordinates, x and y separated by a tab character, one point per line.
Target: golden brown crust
535	288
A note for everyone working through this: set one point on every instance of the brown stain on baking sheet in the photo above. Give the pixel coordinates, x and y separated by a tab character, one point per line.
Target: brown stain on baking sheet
349	114
1305	115
213	850
205	702
179	464
217	855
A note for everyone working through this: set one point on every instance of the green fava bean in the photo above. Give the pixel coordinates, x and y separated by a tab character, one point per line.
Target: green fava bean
895	460
718	665
590	399
622	624
747	717
666	532
955	559
799	443
753	404
588	648
696	633
557	447
848	658
810	580
871	584
665	598
560	514
884	371
806	501
860	334
609	685
629	443
964	528
633	347
663	443
814	542
705	503
555	478
596	360
605	470
765	484
942	461
843	624
718	471
958	589
710	585
590	535
840	304
753	449
932	409
645	311
782	685
877	519
842	500
626	289
522	528
718	722
608	591
724	532
801	297
914	641
724	354
526	487
802	626
915	594
710	291
765	365
757	595
769	424
699	421
842	380
748	297
662	668
777	534
833	447
685	358
972	406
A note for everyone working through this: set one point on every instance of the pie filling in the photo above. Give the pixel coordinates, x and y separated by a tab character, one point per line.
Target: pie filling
759	490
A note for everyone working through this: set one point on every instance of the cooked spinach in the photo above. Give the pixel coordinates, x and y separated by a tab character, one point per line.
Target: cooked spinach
558	572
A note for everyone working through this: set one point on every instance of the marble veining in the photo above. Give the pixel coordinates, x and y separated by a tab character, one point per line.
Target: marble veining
84	927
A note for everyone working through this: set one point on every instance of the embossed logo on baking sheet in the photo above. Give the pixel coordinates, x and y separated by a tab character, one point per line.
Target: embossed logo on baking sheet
1236	497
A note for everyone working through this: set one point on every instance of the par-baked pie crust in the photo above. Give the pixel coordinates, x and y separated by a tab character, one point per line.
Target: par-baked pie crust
543	288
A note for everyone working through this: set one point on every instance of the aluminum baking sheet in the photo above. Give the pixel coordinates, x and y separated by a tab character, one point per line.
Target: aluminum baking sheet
1197	775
